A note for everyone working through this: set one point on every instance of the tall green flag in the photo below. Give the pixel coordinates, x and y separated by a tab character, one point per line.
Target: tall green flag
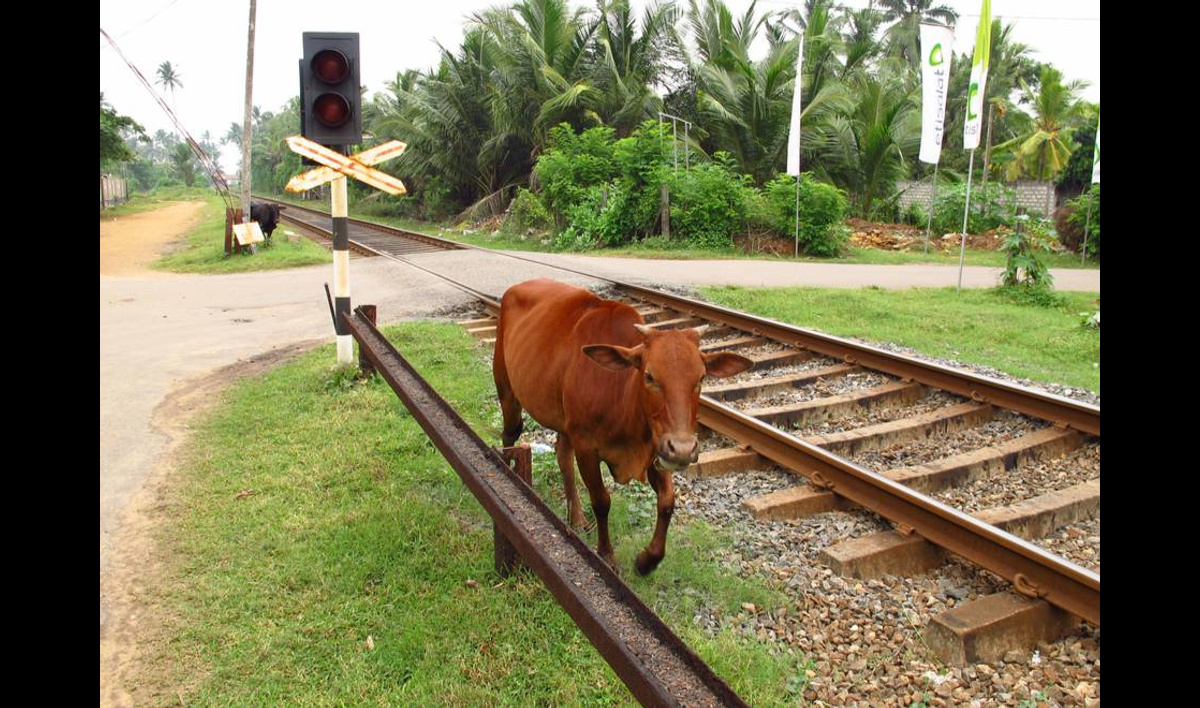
979	68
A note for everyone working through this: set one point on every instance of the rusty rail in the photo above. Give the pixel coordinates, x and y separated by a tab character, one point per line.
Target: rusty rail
1039	404
658	668
1031	570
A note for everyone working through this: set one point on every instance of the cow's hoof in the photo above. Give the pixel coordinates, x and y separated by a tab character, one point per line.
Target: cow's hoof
612	562
579	523
645	563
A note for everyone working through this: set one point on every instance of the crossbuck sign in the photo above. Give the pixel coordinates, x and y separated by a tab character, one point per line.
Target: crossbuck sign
336	168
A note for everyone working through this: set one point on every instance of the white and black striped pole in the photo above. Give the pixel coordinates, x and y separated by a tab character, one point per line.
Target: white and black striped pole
341	268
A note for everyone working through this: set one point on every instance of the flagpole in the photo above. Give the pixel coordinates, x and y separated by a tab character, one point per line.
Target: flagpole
797	216
962	250
1087	225
932	196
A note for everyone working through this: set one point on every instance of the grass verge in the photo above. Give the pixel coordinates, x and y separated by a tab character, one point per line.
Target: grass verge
203	249
975	326
312	513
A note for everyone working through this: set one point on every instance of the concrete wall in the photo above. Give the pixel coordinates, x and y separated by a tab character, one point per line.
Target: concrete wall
1036	197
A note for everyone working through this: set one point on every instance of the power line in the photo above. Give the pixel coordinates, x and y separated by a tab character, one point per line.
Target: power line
213	169
143	22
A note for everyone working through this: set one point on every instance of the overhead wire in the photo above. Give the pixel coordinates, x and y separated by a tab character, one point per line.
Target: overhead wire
220	185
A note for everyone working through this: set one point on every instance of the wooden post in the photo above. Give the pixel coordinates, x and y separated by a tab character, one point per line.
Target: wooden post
232	216
364	364
507	559
665	211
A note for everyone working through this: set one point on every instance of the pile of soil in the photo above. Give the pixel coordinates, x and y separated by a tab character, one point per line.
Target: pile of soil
756	242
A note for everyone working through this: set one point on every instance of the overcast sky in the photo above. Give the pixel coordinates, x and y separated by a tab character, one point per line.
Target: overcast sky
205	40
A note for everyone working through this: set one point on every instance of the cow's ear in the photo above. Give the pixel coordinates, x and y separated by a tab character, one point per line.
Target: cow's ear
614	358
726	364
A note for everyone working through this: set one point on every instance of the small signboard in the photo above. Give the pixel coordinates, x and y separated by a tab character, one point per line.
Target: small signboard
247	234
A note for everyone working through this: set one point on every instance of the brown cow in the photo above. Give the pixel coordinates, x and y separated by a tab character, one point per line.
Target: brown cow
613	389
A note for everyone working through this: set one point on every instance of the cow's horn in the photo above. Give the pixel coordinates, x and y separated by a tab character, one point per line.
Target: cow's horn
643	329
701	329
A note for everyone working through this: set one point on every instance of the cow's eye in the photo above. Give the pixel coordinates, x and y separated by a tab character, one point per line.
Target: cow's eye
650	380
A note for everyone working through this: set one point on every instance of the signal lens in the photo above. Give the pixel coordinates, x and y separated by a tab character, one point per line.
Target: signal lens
330	66
331	109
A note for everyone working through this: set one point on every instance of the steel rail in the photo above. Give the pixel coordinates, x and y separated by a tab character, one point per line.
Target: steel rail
490	302
1032	570
1039	404
658	668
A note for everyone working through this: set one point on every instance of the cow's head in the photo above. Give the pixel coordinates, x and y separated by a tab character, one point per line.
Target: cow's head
670	366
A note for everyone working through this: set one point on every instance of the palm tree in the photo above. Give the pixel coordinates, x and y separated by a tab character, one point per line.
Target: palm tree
169	79
540	76
904	37
1044	144
631	63
233	136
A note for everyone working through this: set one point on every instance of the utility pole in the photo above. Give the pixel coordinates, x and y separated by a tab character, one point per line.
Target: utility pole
246	118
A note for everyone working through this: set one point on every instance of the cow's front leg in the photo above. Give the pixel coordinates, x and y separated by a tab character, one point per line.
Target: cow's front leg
589	470
664	485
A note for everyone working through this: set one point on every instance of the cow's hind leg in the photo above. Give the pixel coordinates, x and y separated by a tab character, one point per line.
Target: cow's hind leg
514	423
589	470
566	465
664	486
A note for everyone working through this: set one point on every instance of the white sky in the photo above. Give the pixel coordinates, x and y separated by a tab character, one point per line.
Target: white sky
205	40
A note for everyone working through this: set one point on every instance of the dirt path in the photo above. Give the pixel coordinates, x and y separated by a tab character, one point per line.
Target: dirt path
129	243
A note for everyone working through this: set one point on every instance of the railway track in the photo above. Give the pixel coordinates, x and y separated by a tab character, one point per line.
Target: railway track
861	427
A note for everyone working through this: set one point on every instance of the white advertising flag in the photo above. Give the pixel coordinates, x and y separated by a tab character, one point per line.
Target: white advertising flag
979	69
1096	157
793	148
937	44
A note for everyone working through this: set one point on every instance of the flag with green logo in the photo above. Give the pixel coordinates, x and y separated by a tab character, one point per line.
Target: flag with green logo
979	68
937	44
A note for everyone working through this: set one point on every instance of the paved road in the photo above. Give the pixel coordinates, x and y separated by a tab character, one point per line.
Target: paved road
749	273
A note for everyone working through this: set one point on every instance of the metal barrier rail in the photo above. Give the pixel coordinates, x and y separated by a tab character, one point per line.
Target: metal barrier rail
658	668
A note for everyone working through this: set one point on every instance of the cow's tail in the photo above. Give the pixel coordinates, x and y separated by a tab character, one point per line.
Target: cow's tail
514	421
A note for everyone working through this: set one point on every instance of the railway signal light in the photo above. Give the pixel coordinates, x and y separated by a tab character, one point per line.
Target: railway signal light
330	100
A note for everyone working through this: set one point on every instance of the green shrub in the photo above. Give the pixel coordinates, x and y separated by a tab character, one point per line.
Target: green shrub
1022	245
1079	218
992	205
822	211
572	164
708	203
915	215
527	213
438	200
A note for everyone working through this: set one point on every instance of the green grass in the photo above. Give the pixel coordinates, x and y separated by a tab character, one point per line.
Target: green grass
203	249
658	248
148	201
975	326
355	526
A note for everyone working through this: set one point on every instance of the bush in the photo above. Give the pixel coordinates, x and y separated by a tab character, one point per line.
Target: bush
992	205
914	215
438	200
572	164
708	203
1078	218
1022	245
527	213
822	211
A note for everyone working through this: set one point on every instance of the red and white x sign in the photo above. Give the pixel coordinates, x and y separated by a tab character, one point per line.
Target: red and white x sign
356	166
